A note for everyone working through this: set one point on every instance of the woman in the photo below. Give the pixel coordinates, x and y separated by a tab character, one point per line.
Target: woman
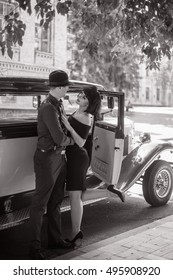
79	124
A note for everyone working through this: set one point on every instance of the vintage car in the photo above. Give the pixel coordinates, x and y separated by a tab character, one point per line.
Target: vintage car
115	157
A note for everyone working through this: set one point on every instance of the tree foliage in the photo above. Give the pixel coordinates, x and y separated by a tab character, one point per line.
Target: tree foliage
120	72
125	24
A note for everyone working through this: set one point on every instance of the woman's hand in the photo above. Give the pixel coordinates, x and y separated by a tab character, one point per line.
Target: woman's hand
66	123
77	139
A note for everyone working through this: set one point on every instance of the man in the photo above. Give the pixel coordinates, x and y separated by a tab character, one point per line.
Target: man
50	167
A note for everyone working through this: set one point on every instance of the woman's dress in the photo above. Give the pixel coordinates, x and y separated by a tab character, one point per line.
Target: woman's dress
77	159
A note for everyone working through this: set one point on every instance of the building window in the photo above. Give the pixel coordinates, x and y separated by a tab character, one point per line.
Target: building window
158	94
147	93
43	39
147	72
136	93
5	9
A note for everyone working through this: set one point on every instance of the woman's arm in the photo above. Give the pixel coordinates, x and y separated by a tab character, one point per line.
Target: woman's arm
78	140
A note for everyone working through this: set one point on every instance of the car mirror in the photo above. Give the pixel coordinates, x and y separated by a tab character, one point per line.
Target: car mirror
110	102
144	137
36	101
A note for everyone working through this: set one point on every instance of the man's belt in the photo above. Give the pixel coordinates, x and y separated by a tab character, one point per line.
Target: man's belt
54	148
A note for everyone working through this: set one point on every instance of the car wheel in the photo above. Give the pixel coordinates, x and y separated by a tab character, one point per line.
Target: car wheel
158	183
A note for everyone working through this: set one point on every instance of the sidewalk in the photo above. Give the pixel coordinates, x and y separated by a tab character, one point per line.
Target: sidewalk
153	241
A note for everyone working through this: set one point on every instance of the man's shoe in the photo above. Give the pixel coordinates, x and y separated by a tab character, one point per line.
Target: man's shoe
37	254
62	244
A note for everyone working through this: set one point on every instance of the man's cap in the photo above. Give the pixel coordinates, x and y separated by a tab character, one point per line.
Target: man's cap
58	78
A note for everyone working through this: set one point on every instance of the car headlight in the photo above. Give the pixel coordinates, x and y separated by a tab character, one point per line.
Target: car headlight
144	137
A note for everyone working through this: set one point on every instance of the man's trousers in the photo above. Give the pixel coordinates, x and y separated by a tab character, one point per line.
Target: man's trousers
50	173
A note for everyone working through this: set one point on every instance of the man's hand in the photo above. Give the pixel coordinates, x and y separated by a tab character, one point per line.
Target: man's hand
66	123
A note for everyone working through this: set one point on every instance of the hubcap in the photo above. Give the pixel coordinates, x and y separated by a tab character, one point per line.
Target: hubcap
162	183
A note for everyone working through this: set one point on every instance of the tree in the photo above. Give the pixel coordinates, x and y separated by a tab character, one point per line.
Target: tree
116	71
127	24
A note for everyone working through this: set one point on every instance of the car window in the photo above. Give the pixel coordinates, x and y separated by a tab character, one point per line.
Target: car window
110	114
17	108
69	102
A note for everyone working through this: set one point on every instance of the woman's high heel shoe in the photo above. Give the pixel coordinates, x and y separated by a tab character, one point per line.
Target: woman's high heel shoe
118	192
79	235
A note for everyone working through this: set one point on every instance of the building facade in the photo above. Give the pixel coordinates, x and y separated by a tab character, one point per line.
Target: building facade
42	50
155	86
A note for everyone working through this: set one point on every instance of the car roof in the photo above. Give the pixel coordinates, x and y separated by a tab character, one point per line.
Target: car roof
37	85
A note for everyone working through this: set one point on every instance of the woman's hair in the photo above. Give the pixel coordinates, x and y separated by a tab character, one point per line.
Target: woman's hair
94	99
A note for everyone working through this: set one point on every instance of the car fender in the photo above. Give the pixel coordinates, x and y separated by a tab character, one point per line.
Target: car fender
138	160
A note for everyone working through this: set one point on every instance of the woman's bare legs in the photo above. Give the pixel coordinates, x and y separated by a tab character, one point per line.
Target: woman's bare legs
76	203
76	211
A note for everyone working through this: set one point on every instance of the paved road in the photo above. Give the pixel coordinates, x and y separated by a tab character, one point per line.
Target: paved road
158	121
